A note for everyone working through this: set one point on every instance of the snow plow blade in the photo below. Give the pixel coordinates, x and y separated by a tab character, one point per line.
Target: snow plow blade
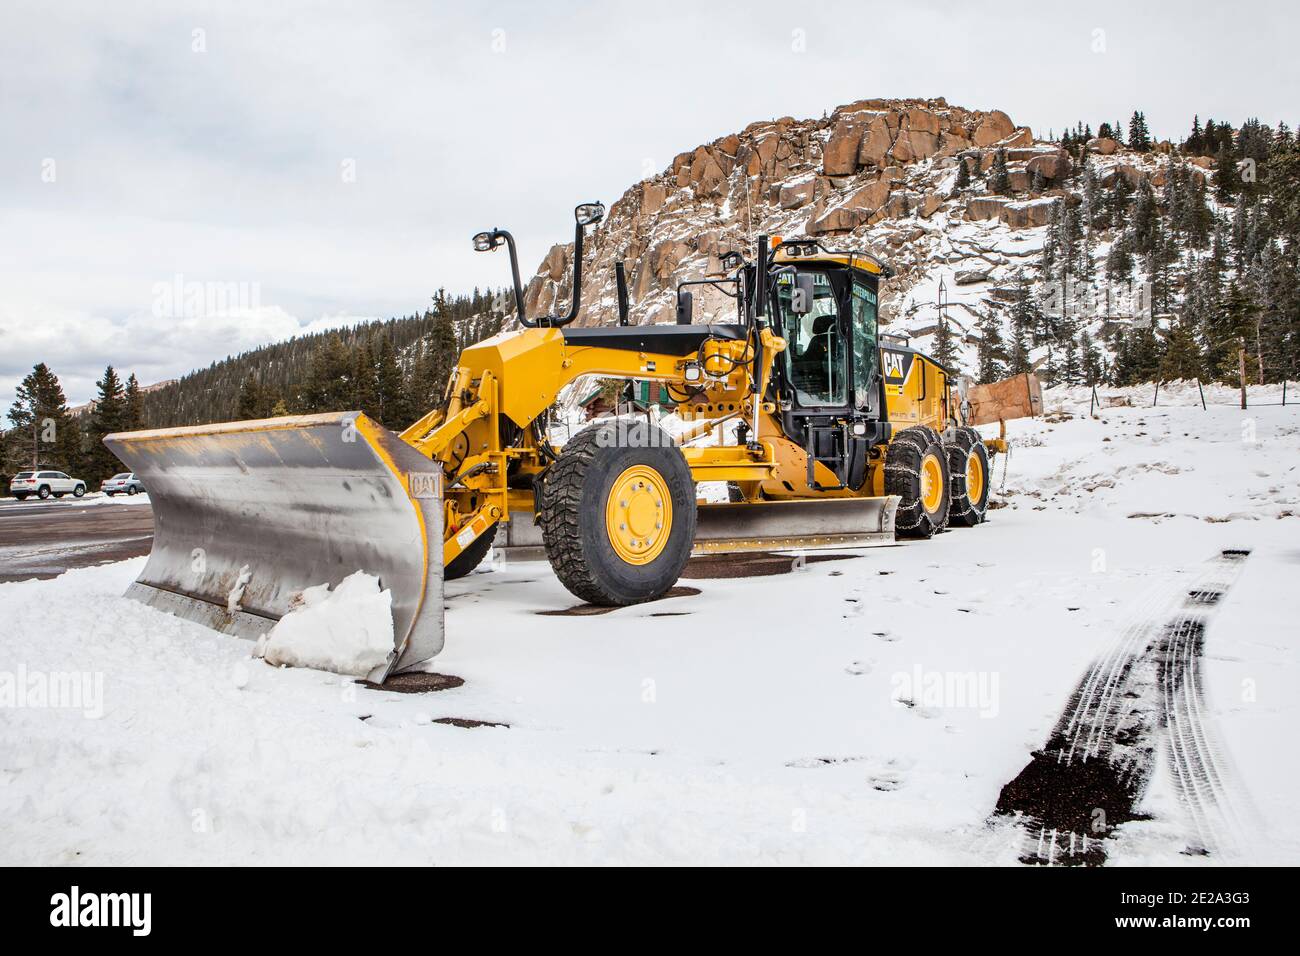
805	525
278	505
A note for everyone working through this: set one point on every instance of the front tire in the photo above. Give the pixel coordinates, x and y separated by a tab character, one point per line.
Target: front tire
916	469
79	491
618	514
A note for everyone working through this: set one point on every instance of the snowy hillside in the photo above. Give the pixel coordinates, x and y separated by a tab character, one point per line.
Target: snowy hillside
783	718
882	176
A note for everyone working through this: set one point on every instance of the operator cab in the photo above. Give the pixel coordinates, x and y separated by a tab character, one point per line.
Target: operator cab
828	383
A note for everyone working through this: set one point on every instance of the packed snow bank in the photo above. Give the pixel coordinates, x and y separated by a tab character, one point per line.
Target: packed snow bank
757	721
347	631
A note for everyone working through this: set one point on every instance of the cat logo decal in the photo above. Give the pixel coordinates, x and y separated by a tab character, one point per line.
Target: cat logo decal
896	365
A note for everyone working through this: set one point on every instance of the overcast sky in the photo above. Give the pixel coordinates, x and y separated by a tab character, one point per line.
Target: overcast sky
316	163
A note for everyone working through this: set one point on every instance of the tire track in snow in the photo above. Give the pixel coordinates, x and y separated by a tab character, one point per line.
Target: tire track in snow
1144	693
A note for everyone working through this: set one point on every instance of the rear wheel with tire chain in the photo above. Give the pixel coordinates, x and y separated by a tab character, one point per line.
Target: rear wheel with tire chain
968	463
618	513
916	469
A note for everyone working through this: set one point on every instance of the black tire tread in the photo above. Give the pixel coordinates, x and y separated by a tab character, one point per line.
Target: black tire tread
903	478
964	513
469	559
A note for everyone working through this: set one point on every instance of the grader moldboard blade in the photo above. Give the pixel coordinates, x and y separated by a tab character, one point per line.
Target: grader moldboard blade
278	505
823	524
804	525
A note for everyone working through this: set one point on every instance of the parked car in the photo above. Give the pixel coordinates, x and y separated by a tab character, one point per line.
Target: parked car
42	484
124	484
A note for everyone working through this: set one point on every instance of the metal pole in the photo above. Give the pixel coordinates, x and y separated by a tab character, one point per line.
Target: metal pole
1202	391
1156	397
1093	404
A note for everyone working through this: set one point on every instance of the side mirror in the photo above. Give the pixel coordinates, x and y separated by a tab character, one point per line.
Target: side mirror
589	213
685	307
801	296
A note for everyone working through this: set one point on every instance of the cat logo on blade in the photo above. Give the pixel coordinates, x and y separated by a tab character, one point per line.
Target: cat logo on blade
425	484
896	365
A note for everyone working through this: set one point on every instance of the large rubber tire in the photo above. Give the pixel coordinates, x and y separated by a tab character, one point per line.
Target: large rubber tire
922	436
968	463
79	491
578	501
132	490
21	497
916	469
43	493
469	559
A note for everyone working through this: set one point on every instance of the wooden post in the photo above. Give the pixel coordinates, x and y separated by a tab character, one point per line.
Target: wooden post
1201	389
1156	397
1284	393
1241	369
1093	404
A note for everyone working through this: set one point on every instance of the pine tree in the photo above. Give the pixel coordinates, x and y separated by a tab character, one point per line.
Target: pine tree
328	387
963	173
1093	368
945	349
1119	260
439	353
365	387
1182	358
110	415
1139	138
394	408
1226	173
999	178
134	404
1145	221
252	399
44	432
992	355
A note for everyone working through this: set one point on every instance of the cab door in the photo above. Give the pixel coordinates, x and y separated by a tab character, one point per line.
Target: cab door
863	306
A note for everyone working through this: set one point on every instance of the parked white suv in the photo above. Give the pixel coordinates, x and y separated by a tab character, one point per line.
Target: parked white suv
42	484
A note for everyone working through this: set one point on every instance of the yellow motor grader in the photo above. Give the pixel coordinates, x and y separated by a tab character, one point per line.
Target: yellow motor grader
842	438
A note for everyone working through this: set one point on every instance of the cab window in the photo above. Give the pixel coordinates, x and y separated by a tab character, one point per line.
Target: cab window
866	354
814	354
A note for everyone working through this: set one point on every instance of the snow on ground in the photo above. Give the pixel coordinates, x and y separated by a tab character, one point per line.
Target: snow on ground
90	498
756	722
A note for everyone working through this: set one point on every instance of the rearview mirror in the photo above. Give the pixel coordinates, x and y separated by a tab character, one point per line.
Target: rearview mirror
685	307
801	296
589	213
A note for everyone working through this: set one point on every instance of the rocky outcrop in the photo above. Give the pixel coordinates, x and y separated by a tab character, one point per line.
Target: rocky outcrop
878	175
